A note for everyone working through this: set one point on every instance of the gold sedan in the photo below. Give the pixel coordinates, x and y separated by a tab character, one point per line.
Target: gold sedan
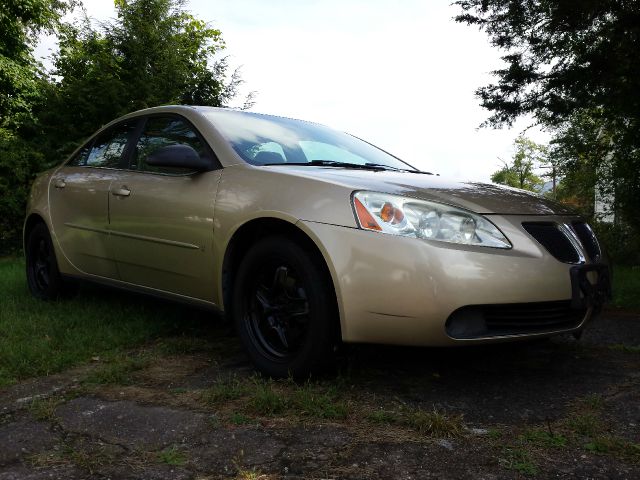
307	237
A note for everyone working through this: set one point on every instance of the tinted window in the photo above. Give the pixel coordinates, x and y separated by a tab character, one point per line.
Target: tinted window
106	150
161	132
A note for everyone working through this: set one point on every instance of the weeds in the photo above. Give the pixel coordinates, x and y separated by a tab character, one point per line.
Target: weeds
227	389
435	423
307	400
172	456
118	371
625	348
89	460
519	459
585	424
543	438
266	397
43	409
382	416
238	418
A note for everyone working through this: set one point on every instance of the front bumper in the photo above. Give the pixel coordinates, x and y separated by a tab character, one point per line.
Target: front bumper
399	290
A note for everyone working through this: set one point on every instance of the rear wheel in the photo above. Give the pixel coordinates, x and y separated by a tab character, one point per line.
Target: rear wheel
285	310
43	276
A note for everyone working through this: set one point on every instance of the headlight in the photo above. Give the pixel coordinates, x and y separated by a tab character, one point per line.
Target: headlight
409	217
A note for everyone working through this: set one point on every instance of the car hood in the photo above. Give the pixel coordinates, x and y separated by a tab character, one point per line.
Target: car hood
474	196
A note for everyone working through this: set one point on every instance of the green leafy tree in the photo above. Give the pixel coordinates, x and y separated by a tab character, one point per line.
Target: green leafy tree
21	85
20	75
520	171
595	157
560	57
154	53
575	67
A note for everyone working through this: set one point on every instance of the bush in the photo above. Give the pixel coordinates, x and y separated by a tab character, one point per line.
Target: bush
19	164
621	242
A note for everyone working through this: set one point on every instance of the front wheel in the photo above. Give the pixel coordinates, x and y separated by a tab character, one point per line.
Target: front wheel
285	309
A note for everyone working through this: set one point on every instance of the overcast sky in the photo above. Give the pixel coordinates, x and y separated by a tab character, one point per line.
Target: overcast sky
401	75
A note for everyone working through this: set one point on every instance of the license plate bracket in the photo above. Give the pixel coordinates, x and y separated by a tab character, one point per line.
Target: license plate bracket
586	294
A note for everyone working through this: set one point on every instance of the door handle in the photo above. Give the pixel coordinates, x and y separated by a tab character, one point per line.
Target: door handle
121	192
59	183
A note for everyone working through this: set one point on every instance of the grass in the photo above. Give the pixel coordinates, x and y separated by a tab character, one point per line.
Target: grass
618	347
118	370
90	461
626	287
238	418
543	438
224	390
266	397
172	456
382	417
592	433
585	424
321	400
43	409
520	460
435	423
40	338
583	429
606	444
252	474
251	397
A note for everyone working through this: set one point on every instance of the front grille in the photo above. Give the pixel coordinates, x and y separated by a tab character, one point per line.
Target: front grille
479	321
549	235
588	240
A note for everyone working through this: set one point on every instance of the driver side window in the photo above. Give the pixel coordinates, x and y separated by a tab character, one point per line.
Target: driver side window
160	132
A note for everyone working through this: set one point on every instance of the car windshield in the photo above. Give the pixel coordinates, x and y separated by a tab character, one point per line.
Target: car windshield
268	140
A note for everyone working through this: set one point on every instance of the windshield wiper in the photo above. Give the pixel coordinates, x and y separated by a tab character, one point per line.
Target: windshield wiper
333	163
396	169
376	167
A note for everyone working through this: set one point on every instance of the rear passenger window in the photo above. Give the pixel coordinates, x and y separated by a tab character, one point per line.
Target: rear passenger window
161	132
106	150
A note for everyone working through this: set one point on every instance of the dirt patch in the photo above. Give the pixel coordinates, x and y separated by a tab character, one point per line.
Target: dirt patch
560	408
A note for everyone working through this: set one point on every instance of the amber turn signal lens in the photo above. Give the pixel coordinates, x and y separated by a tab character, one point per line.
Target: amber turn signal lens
364	217
391	214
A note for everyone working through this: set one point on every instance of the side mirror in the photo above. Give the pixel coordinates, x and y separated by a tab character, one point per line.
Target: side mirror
179	156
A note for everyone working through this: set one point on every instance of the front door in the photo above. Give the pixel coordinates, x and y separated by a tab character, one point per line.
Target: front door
79	199
162	218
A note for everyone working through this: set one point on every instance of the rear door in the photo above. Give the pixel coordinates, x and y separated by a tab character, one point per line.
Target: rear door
162	217
79	200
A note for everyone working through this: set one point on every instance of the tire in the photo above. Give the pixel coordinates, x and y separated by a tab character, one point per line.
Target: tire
43	276
284	309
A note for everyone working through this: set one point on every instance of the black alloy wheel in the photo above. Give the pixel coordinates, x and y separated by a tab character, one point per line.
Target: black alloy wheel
284	308
43	277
